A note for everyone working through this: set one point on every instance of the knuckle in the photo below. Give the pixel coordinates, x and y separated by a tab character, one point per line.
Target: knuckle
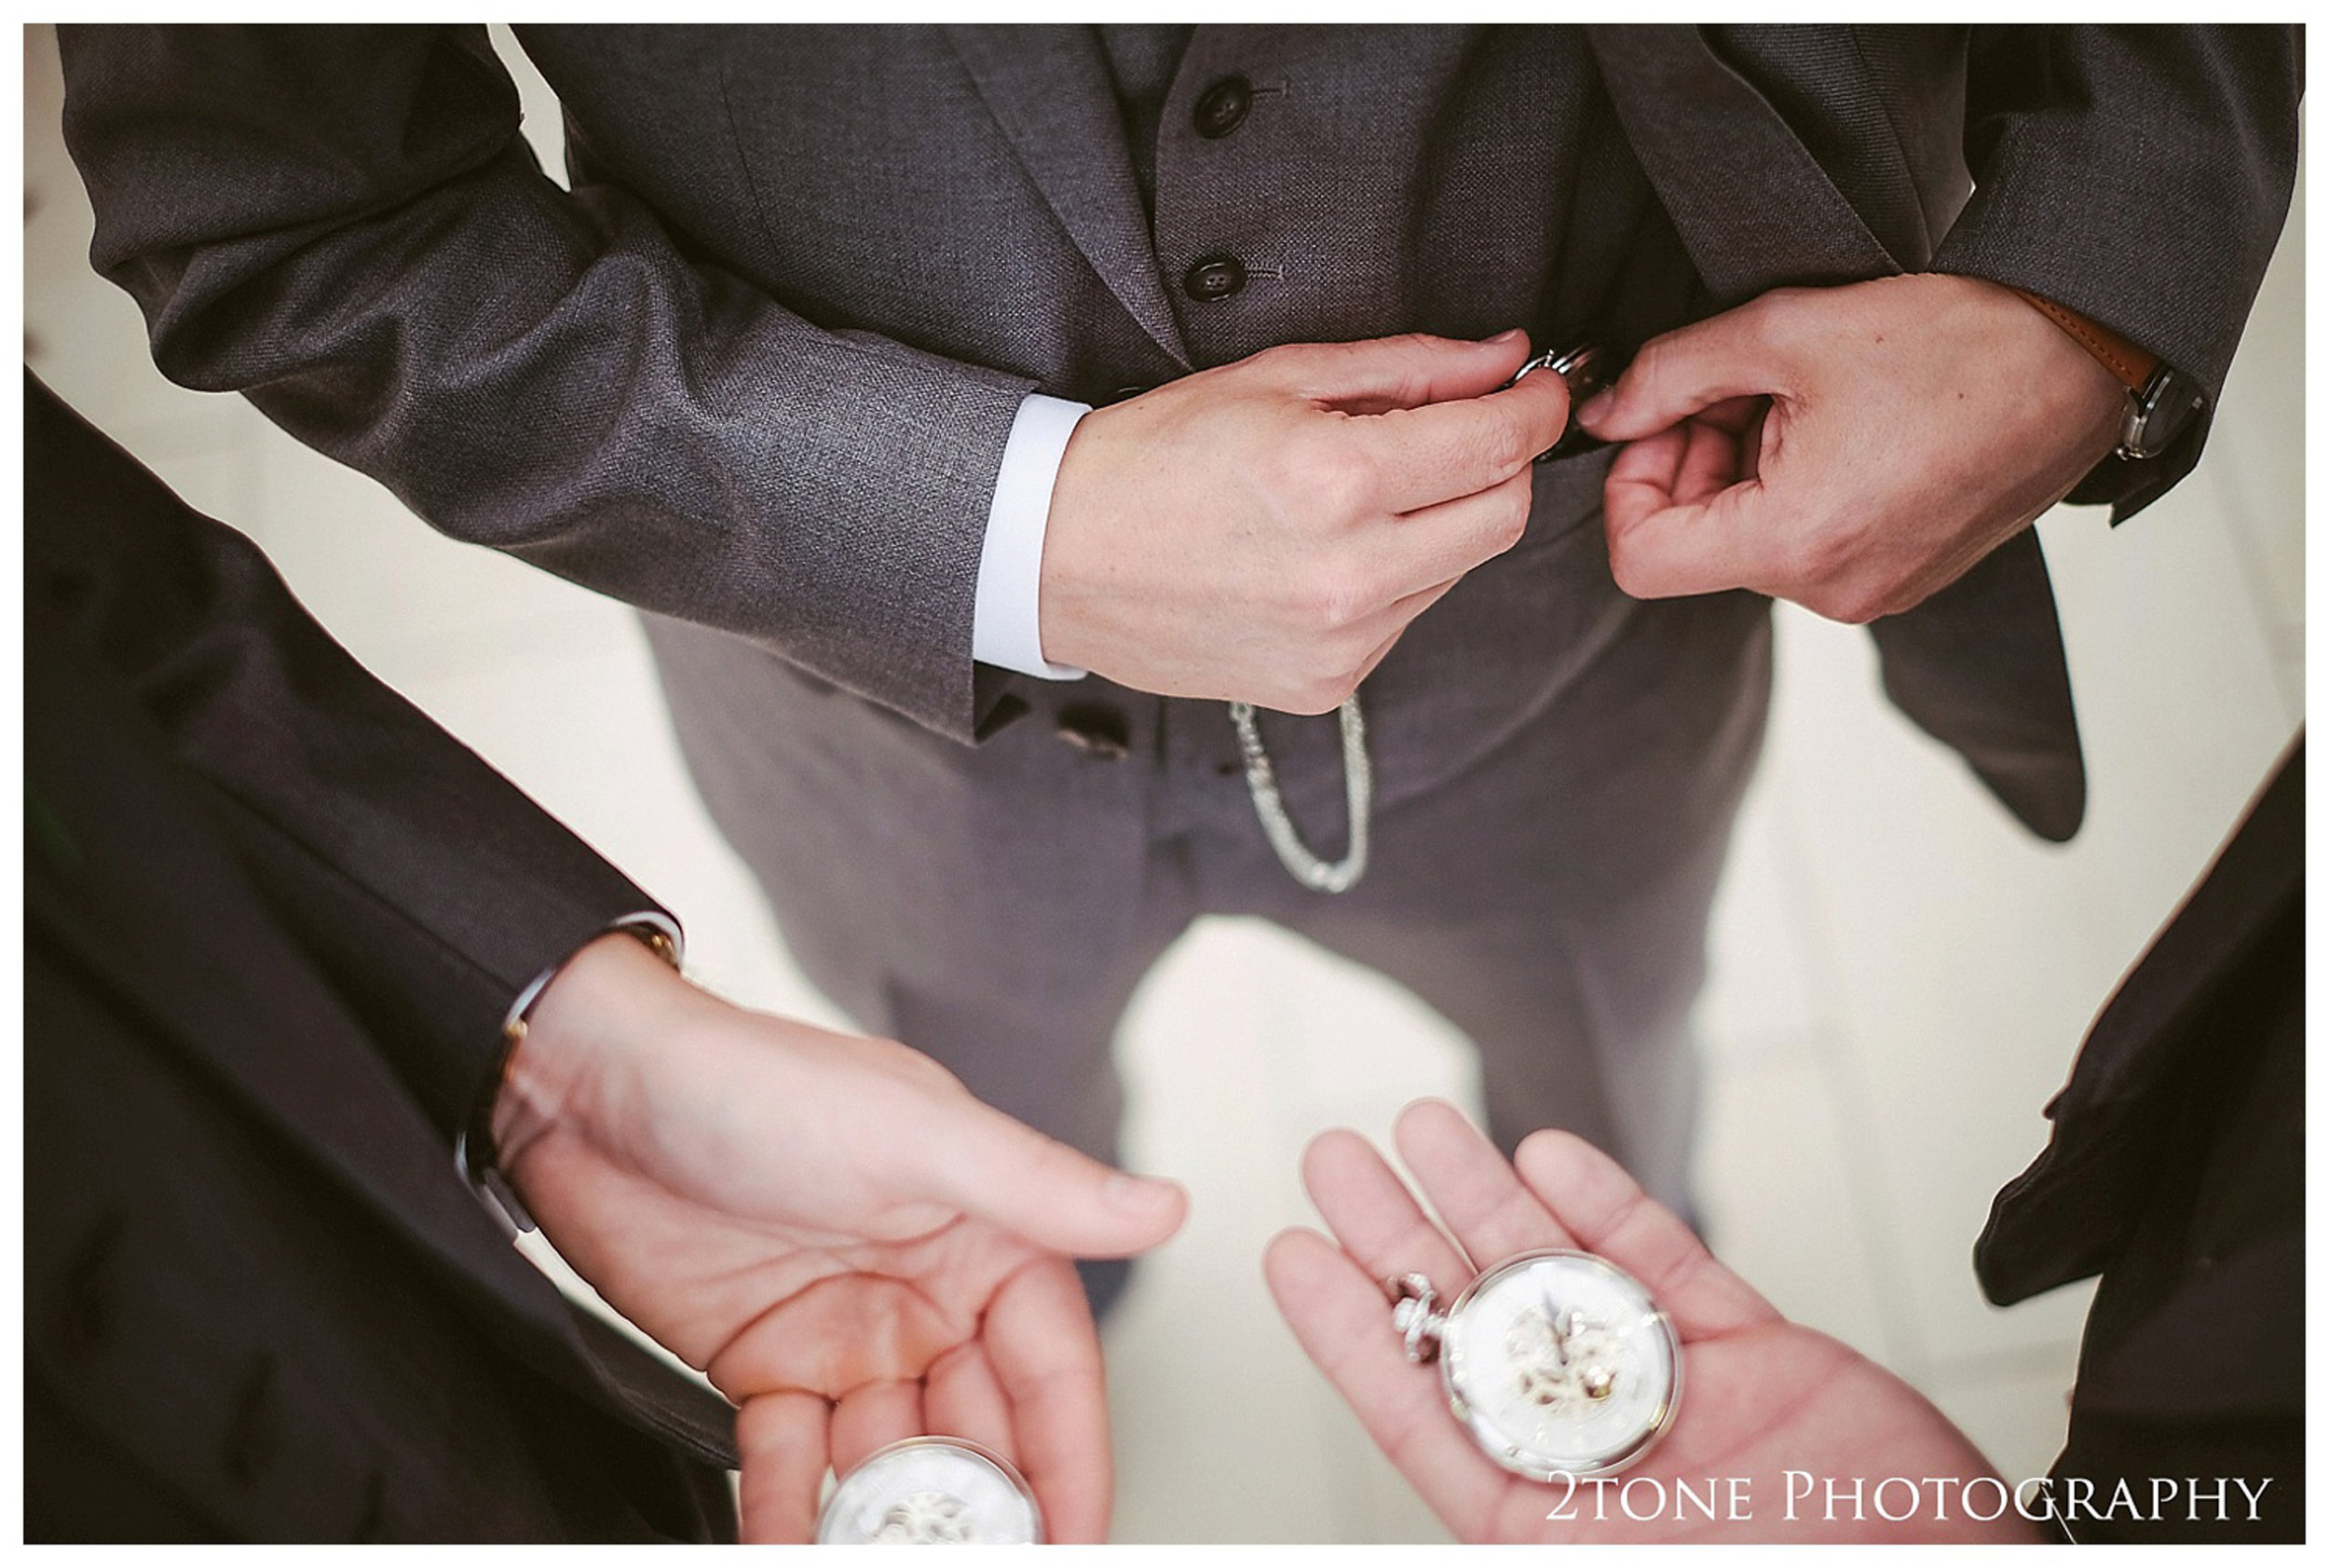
1319	694
1340	596
1340	484
1773	322
1416	354
1626	567
1824	558
1282	357
1887	593
1310	603
1293	472
1514	521
1855	600
1858	608
1504	518
1647	371
1282	468
1510	443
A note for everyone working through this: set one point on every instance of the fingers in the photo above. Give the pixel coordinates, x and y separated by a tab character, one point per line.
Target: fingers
1682	518
873	1417
1475	1193
964	1399
1421	556
1434	418
1432	453
1734	355
1439	543
1340	1316
1374	1217
1606	1210
1001	1170
1722	448
781	1449
1403	372
1400	616
1046	1358
1683	504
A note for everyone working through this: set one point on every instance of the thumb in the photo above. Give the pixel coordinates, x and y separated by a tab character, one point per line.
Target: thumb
1001	1170
1411	370
1677	375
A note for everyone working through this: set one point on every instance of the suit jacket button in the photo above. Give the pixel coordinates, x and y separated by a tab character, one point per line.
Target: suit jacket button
1221	107
1214	277
1124	394
1095	730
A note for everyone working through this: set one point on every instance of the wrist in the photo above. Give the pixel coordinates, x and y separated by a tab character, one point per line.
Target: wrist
2130	363
2159	401
2066	388
1097	545
572	1041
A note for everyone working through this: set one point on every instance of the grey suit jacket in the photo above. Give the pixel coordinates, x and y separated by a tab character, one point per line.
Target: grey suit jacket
757	369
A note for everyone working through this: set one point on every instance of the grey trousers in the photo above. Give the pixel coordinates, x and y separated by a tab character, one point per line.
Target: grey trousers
1557	768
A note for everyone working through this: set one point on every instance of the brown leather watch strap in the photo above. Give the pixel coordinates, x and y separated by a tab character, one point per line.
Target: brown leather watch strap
2131	364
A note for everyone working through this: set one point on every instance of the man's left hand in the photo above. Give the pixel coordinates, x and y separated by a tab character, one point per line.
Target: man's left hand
1852	449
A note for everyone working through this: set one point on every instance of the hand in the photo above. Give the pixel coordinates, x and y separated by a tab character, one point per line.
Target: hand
1760	1395
849	1245
1264	531
1853	449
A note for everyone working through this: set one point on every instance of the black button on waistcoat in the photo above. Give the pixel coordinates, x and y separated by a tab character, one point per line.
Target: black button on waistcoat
1221	107
1213	277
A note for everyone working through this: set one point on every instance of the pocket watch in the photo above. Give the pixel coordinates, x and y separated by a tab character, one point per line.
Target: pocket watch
1587	369
932	1491
1555	1362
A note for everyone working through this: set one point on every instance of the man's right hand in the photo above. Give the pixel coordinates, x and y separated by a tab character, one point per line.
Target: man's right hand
1264	531
852	1249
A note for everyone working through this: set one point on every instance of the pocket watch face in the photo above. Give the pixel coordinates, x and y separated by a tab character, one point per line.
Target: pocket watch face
1558	1363
931	1491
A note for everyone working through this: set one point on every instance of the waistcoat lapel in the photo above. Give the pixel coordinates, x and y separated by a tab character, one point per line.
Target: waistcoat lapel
1049	89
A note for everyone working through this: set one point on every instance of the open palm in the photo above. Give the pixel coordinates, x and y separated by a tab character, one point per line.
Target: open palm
1762	1397
847	1244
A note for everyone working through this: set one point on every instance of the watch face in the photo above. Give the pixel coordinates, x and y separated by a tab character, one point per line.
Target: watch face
931	1491
1558	1363
2160	413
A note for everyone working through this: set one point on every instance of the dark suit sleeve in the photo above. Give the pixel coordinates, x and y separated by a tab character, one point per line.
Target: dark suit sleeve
2139	175
346	224
426	888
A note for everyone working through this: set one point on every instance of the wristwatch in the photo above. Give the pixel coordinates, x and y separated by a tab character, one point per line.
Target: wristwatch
474	1154
2161	401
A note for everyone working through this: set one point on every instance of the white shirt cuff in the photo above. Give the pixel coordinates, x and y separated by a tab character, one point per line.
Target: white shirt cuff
1005	625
